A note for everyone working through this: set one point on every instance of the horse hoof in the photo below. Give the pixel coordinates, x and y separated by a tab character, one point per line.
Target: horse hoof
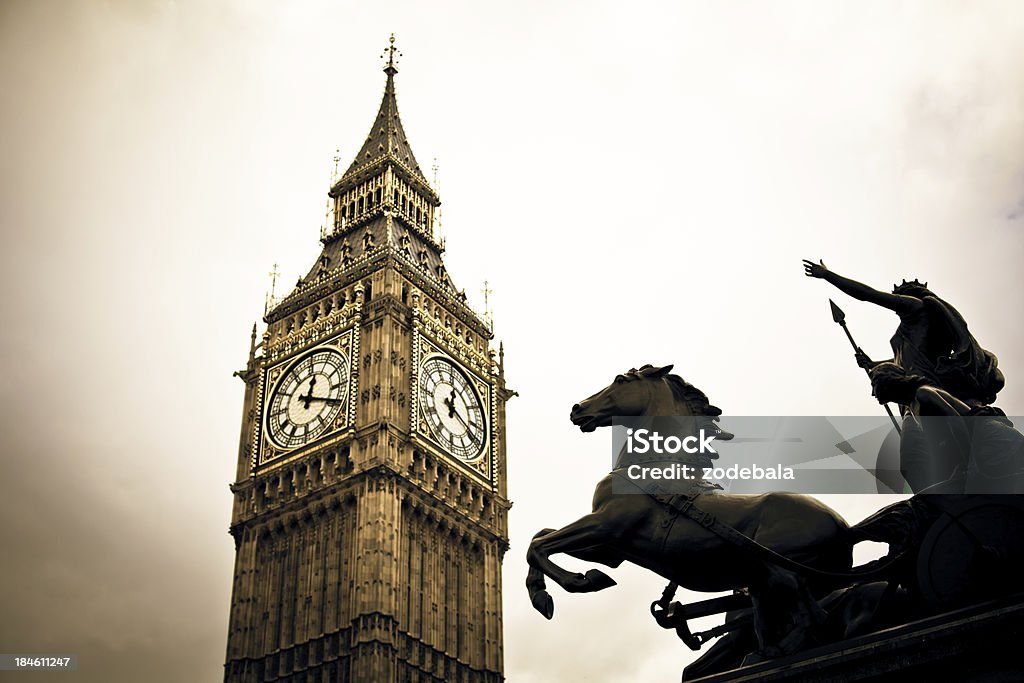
543	603
597	580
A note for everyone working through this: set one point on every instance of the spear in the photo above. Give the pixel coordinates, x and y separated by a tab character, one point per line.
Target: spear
840	317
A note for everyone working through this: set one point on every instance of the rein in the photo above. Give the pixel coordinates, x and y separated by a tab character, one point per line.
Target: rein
685	506
662	609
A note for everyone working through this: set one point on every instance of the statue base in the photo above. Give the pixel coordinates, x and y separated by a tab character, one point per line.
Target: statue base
977	643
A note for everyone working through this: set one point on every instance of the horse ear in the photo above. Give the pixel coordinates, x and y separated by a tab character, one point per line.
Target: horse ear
655	373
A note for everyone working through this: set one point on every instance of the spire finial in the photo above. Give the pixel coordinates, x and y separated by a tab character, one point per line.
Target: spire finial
487	291
271	300
391	51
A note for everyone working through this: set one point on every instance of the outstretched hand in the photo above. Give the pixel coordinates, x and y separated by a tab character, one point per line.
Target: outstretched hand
812	269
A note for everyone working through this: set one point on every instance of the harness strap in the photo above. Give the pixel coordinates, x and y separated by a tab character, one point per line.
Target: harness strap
685	505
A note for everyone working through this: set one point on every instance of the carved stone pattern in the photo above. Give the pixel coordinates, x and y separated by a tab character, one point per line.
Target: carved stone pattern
495	446
337	276
459	348
354	375
433	293
258	428
309	335
413	403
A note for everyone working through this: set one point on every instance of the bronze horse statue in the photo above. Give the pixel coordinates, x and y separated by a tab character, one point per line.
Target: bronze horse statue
629	527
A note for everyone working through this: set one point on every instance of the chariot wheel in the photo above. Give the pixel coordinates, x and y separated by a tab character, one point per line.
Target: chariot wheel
973	551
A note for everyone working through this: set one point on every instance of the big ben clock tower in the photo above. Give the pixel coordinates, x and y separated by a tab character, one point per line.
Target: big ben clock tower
370	509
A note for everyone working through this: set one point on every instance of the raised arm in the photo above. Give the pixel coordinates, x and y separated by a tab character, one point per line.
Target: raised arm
901	305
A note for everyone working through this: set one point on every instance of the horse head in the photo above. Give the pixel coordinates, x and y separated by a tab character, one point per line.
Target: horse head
639	392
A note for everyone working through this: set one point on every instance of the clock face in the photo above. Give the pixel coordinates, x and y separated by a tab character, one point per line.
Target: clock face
308	398
451	408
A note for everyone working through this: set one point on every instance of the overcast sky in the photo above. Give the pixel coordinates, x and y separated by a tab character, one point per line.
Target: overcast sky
637	181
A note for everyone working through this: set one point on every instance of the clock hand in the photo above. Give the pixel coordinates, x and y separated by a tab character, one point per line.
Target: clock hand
458	415
308	398
450	403
452	412
325	399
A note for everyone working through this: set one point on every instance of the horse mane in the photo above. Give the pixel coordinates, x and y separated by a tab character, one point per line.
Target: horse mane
692	396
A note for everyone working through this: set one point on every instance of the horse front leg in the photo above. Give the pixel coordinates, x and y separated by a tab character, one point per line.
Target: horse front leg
537	587
579	538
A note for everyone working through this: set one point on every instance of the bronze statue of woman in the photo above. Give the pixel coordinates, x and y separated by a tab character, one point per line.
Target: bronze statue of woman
934	355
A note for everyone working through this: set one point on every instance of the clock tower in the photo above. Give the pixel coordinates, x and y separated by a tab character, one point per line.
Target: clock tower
370	510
